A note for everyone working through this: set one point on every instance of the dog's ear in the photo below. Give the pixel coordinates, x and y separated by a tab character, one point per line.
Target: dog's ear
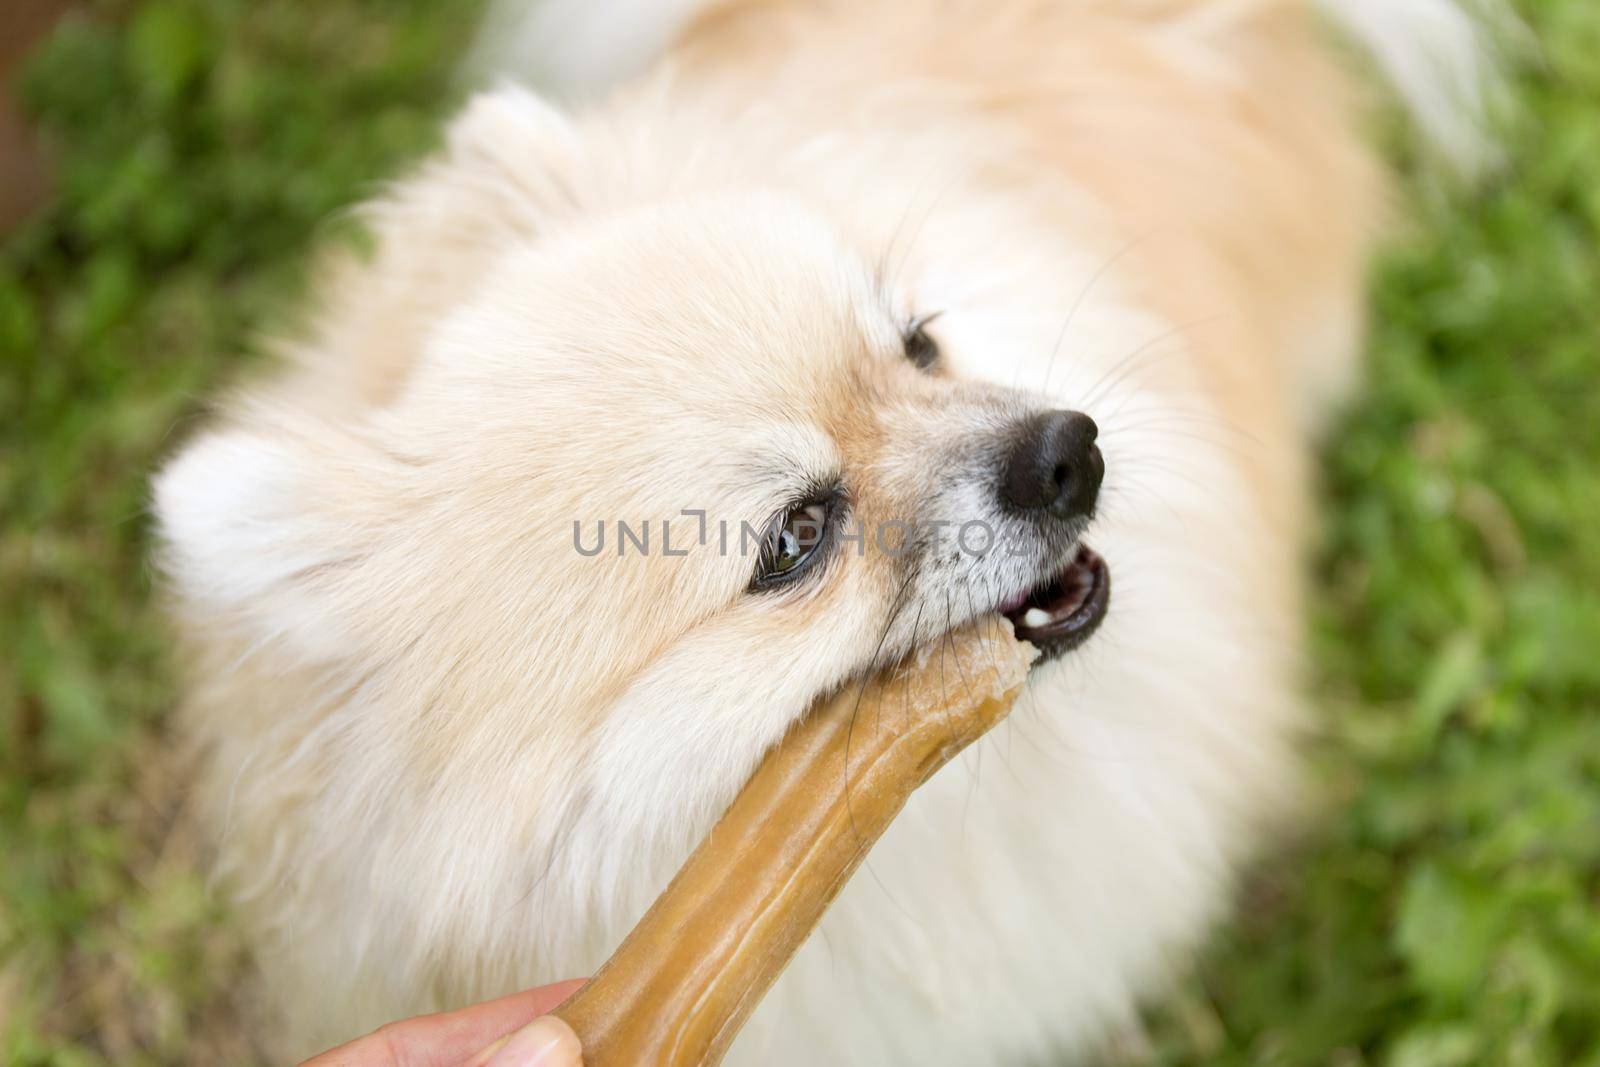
508	162
265	528
270	516
507	170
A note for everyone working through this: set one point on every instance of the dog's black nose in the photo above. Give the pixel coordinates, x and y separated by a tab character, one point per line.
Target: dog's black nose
1053	465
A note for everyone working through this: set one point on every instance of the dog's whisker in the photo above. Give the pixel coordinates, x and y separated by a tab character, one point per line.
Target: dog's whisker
1141	358
1077	303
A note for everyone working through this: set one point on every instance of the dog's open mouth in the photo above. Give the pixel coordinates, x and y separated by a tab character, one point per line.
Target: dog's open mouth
1060	614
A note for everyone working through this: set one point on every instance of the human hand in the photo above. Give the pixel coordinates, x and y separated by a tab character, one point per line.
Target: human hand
513	1031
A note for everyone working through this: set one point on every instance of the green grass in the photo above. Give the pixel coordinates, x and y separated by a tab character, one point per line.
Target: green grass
1445	911
202	146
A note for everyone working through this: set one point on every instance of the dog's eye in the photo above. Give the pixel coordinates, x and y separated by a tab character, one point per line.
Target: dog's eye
921	349
793	543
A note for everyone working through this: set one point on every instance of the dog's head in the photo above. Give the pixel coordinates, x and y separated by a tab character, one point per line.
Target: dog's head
657	481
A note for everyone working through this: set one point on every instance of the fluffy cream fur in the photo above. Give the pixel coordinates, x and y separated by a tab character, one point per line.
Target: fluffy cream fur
448	756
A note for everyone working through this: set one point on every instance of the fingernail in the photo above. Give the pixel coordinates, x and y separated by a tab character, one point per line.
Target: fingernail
545	1042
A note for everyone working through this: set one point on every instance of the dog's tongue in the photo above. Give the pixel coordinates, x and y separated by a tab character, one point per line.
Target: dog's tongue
1060	614
1057	599
1009	607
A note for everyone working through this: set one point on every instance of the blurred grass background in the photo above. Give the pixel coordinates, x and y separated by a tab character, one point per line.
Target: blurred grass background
1444	913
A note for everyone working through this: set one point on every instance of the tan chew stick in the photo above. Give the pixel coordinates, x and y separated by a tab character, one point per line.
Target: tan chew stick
683	982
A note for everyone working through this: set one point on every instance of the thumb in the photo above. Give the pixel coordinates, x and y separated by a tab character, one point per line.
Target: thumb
546	1042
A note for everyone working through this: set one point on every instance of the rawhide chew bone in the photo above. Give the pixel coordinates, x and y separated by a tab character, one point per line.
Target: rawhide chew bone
677	990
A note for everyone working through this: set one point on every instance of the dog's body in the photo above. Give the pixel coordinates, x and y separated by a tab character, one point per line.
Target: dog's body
449	756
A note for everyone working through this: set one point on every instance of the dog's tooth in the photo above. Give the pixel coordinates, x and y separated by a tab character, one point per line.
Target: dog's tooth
1035	618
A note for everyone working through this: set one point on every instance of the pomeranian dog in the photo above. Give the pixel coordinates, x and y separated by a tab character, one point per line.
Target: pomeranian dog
646	421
